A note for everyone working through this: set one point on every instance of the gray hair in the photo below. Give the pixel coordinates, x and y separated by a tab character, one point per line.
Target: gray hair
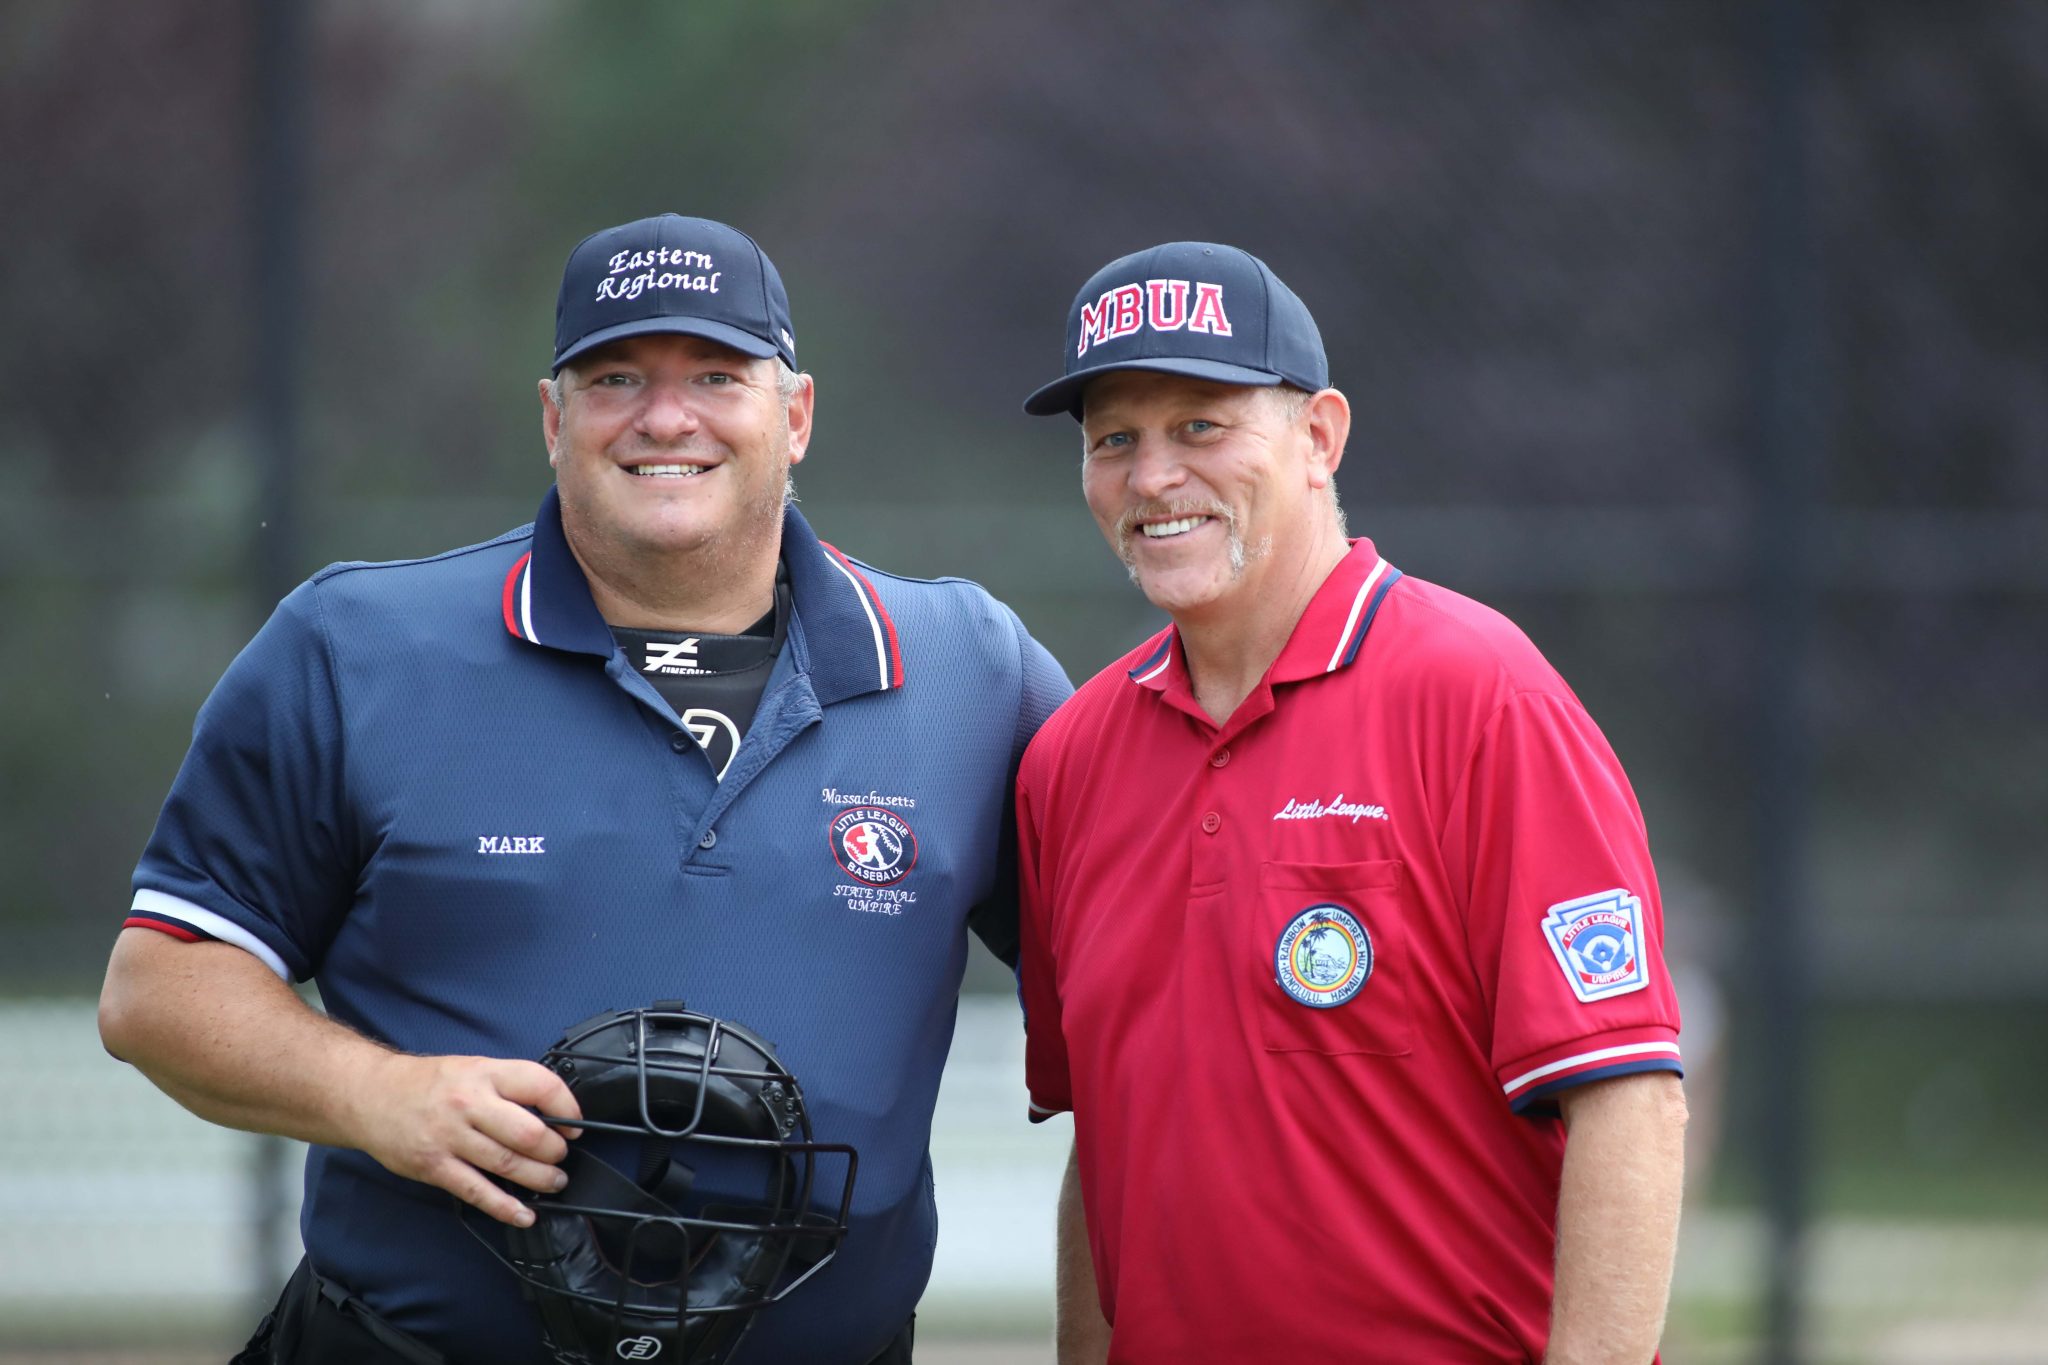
1293	401
787	381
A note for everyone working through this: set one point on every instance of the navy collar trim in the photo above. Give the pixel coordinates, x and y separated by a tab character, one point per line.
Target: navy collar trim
546	600
1393	576
1149	668
881	626
850	634
1302	656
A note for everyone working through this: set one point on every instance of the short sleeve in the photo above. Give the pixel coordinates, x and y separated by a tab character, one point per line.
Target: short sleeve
254	845
1045	1045
1042	685
1564	921
1046	687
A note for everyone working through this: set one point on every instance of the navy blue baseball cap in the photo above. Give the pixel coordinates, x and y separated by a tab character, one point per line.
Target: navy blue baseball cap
1194	308
672	274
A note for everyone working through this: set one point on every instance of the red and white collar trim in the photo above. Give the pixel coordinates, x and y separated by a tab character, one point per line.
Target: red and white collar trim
518	603
848	637
888	653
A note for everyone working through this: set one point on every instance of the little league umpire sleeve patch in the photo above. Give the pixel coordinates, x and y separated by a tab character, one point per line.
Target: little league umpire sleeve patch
1598	941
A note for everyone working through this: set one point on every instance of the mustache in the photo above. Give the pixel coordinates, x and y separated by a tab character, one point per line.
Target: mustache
1127	524
696	443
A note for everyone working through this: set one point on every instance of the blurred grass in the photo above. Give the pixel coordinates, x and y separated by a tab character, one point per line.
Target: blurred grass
1919	1110
1929	1193
1930	1197
1879	1289
1934	1110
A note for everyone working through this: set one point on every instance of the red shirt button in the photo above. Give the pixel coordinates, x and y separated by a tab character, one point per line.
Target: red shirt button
1219	758
1211	823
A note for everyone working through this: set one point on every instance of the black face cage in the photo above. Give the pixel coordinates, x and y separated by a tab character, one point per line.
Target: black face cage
639	1265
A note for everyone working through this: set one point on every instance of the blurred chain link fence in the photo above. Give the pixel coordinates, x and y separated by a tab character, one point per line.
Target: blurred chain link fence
1531	237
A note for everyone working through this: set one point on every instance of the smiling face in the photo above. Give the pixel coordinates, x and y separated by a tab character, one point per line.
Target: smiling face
1203	488
665	445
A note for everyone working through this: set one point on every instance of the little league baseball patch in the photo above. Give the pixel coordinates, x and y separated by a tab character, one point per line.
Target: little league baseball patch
1598	940
873	844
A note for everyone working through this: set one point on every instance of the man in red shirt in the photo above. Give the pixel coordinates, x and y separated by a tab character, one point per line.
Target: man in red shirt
1341	936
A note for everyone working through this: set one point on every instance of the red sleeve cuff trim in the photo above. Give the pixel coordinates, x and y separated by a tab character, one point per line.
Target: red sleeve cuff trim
1040	1113
163	926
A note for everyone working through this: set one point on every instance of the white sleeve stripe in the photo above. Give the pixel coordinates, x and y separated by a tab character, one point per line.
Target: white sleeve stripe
881	648
1601	1055
210	924
1038	1108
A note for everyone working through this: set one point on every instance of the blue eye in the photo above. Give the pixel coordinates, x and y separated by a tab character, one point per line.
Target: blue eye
1200	425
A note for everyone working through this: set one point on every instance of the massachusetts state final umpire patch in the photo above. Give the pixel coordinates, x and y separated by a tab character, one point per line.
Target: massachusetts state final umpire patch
1324	957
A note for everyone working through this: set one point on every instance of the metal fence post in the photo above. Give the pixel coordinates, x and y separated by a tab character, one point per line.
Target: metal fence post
1790	373
277	142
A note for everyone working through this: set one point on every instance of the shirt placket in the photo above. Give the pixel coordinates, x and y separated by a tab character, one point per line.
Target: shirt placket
1212	814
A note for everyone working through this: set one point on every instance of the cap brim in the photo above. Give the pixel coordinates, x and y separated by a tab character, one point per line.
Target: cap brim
746	343
1064	395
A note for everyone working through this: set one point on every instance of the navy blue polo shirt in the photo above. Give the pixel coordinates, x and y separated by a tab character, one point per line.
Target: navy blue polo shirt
437	789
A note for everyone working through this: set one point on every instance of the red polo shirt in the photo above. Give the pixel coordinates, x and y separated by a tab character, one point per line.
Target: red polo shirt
1297	975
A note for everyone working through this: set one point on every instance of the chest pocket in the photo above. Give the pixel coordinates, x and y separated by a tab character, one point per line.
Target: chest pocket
1331	959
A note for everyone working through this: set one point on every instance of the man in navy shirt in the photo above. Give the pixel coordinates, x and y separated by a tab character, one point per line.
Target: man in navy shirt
661	744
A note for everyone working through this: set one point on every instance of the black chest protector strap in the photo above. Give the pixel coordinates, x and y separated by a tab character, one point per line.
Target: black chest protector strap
712	682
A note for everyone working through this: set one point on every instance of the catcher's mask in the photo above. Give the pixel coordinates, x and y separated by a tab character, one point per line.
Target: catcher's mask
689	1202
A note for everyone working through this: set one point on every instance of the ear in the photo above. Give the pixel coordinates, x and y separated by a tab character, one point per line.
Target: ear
1329	426
550	422
799	412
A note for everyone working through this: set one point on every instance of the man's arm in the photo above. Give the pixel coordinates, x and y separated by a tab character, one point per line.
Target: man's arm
221	1034
1617	1218
1080	1331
